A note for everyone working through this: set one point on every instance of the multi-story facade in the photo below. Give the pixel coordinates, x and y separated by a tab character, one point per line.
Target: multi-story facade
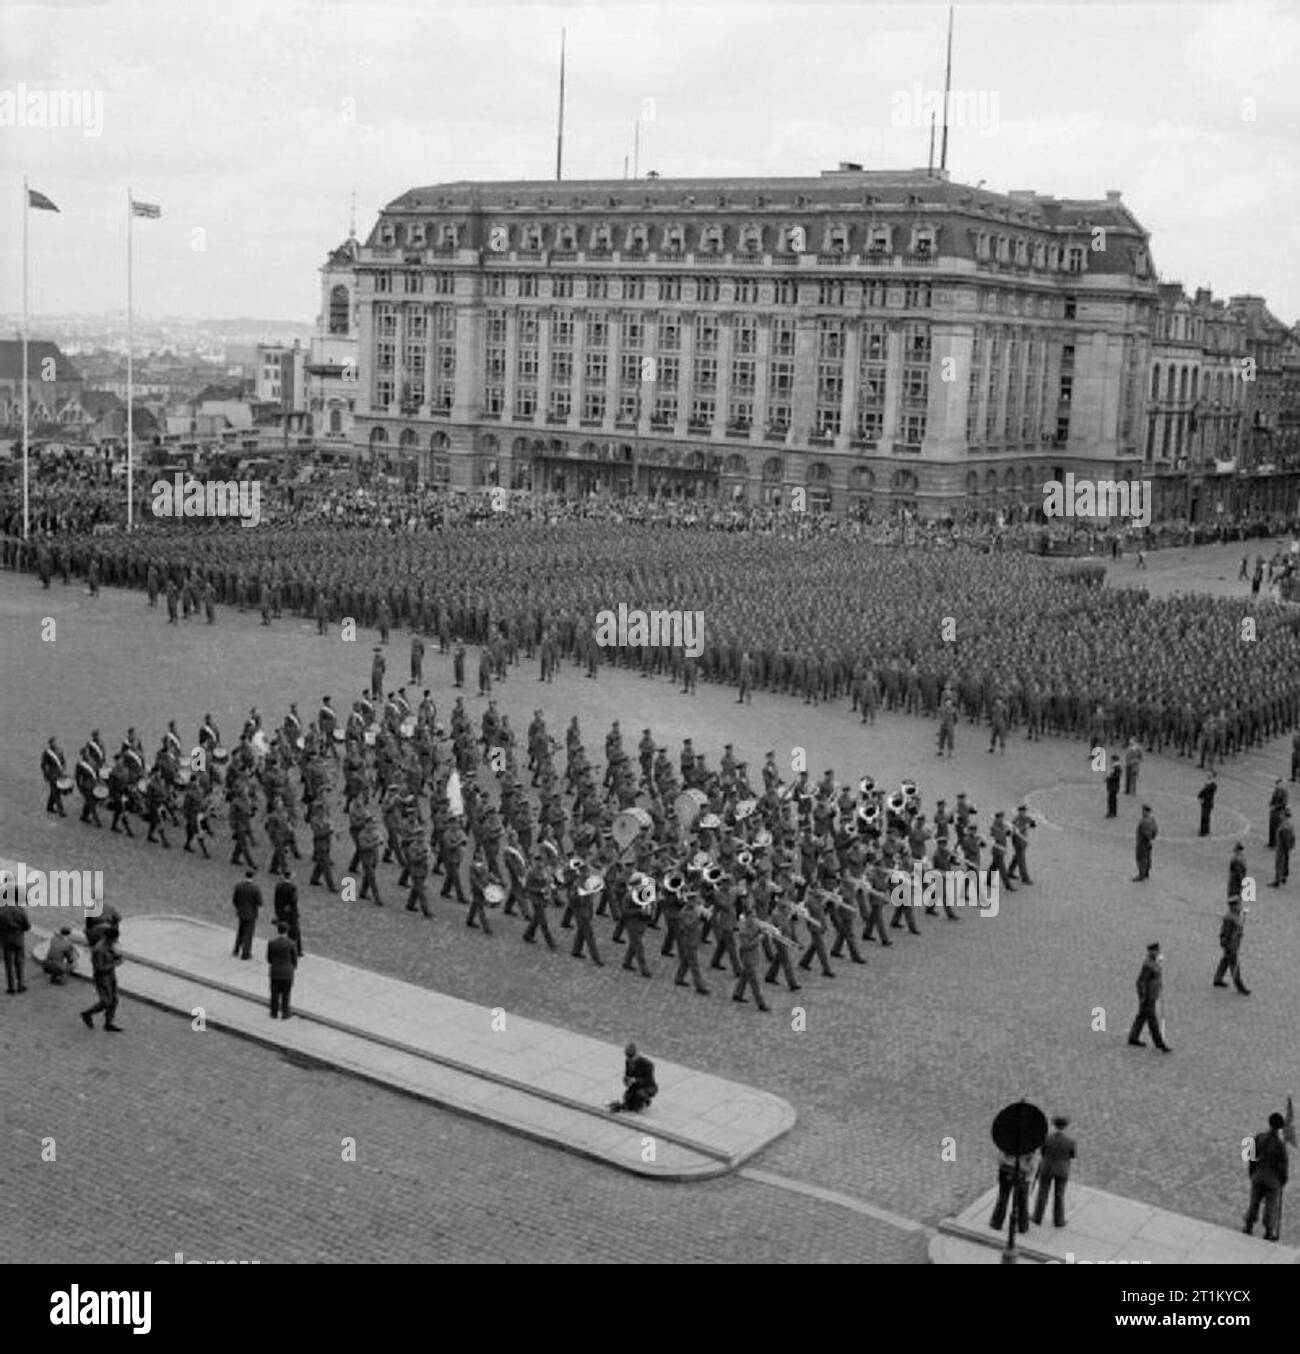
859	342
333	366
280	376
1196	400
1261	487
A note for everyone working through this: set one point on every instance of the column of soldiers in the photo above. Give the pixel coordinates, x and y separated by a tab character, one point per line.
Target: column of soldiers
1034	647
767	881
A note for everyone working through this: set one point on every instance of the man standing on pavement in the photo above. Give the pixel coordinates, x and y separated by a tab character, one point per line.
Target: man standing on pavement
1277	805
286	909
104	960
1206	796
1268	1170
1054	1172
1231	931
1132	765
1146	834
1150	984
282	957
247	902
14	923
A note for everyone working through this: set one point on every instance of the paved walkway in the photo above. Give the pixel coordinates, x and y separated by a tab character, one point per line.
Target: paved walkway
547	1083
1104	1228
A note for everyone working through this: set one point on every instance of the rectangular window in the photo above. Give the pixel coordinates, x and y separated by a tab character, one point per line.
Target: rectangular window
830	293
385	322
528	326
494	284
527	284
634	289
740	415
706	333
561	367
830	339
597	331
830	383
596	368
593	404
629	406
708	289
778	416
746	291
783	334
526	368
828	421
632	330
383	282
665	409
670	289
444	322
702	410
745	340
525	401
670	332
562	329
561	403
912	427
494	400
495	365
780	380
744	372
597	288
383	392
629	368
444	284
496	326
667	373
706	373
385	354
412	283
562	286
916	296
787	293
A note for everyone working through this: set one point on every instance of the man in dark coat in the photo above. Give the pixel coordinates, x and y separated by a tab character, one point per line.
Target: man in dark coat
282	957
1054	1172
247	902
1268	1170
638	1081
286	909
1149	985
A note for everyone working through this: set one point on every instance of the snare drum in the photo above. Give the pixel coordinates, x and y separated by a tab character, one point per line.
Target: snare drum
100	792
494	894
64	784
219	754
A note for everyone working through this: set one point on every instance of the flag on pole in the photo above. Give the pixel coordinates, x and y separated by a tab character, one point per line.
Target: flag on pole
148	209
40	201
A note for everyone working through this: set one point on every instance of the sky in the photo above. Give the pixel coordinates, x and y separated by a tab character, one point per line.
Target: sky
252	124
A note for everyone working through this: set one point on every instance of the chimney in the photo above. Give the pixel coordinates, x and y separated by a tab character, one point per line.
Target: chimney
1113	196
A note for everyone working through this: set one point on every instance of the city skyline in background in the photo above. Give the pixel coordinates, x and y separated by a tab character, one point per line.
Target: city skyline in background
253	129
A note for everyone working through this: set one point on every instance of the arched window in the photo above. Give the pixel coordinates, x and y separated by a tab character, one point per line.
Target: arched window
972	483
819	473
772	470
336	421
862	477
340	310
378	436
1155	381
408	439
439	442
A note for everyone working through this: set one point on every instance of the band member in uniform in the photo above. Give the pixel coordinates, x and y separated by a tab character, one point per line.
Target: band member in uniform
636	914
321	834
54	769
584	902
1146	834
1282	851
816	902
1021	826
417	866
843	912
538	887
1206	796
750	939
119	793
782	920
480	878
690	923
87	779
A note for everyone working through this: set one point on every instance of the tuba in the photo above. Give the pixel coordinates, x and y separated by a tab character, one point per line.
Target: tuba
744	859
896	802
712	875
641	890
674	882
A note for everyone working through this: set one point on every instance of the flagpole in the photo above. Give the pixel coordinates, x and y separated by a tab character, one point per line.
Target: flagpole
130	345
25	411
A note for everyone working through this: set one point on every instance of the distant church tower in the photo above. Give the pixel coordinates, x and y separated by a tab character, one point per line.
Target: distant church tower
333	370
